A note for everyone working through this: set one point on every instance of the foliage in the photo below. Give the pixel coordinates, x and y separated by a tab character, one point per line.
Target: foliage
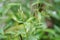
20	24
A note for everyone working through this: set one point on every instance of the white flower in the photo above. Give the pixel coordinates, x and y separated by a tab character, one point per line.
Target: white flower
54	12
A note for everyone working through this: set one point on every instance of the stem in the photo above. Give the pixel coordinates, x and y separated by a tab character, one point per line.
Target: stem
21	37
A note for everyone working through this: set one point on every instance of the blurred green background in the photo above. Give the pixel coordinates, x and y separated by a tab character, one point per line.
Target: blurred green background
22	20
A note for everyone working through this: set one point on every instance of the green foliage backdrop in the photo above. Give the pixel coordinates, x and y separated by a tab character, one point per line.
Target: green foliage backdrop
17	20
